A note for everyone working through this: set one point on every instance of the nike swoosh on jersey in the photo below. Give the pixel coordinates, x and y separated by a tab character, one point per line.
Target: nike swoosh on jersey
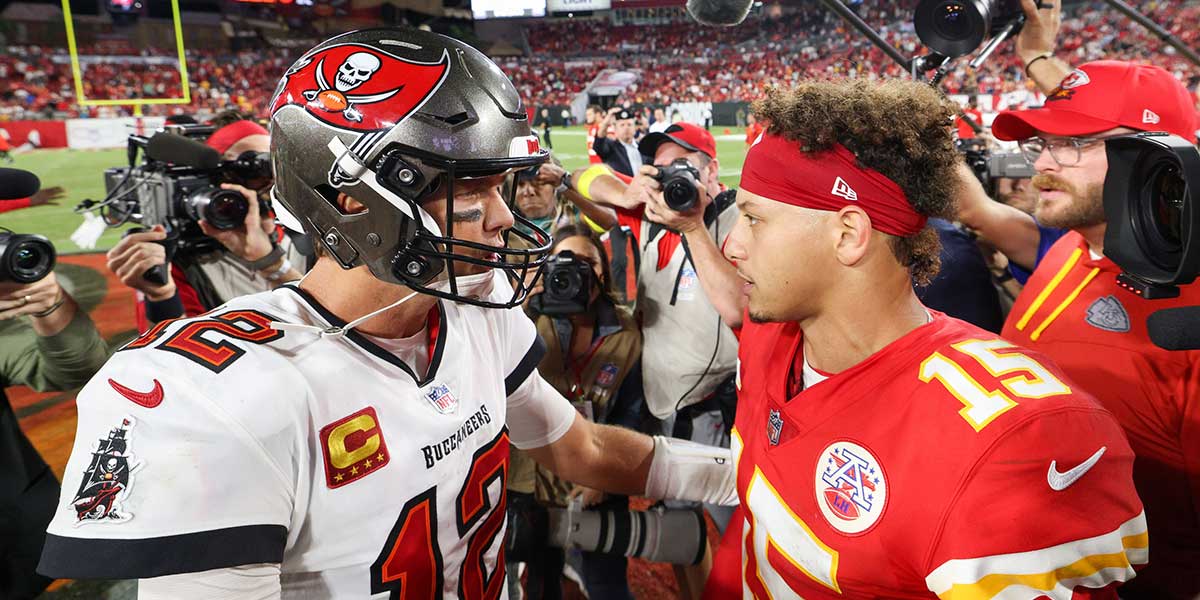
148	399
1061	481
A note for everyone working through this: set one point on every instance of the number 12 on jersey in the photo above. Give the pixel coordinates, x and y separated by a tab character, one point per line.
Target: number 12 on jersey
411	564
981	405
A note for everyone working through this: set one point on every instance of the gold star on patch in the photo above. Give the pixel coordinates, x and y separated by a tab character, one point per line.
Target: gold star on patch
367	463
354	470
338	477
379	456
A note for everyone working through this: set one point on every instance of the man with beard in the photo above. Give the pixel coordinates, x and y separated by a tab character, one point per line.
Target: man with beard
1073	310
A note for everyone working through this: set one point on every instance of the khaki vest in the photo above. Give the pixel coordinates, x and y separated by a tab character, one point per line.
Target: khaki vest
589	386
680	337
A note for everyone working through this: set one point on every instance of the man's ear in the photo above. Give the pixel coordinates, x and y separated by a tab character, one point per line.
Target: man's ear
349	205
854	235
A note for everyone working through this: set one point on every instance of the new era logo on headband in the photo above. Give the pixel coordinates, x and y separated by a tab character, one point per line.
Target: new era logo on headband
1149	117
843	189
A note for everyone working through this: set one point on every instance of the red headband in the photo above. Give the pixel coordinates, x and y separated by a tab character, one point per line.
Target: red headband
776	168
225	137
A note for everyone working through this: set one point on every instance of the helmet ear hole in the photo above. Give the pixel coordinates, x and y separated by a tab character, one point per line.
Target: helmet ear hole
330	194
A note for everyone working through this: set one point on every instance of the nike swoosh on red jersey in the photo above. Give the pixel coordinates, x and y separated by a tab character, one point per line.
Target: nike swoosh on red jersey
148	399
1061	481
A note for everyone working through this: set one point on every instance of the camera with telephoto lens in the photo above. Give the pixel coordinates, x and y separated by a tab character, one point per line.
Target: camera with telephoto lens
957	27
178	185
567	282
679	180
1152	205
990	166
25	258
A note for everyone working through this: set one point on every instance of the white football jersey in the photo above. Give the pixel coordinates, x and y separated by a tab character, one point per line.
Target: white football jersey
220	441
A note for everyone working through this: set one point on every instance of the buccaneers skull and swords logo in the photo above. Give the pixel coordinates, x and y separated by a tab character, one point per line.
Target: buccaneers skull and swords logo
359	87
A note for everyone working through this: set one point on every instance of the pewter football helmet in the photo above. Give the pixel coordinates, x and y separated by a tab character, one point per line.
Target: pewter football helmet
391	117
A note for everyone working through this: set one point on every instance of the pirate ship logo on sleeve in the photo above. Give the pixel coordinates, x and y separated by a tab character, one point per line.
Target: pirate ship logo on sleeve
106	481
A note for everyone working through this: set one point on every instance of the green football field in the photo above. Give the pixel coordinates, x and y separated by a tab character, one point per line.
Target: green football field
81	174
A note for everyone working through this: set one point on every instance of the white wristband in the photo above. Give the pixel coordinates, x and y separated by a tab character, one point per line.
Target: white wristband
683	470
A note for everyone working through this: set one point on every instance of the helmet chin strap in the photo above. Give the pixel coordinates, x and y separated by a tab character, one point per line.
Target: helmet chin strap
468	282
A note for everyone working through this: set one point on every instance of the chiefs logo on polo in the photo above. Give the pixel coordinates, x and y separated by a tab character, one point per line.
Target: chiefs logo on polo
360	88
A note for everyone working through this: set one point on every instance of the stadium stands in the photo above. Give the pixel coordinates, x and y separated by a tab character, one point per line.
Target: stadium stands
679	61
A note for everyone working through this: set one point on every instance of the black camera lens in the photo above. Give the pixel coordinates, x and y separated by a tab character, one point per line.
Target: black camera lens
563	284
25	258
680	194
1167	190
957	27
952	22
223	209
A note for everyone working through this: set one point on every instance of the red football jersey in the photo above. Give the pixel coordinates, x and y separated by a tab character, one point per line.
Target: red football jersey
1073	311
593	131
949	464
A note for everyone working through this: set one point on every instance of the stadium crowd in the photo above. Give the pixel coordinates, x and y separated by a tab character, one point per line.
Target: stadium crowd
869	348
678	61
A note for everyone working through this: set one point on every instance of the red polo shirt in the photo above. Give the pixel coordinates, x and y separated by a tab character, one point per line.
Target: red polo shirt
1073	311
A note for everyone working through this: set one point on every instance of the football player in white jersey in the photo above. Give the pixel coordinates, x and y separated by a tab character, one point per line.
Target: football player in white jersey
347	437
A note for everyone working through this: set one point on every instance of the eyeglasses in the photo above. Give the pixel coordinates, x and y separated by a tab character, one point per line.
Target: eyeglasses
1066	151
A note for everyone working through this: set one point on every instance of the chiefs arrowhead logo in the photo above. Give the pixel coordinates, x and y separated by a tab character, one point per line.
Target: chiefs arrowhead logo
358	87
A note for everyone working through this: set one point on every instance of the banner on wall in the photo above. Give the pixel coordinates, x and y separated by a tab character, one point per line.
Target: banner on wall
108	133
577	5
44	134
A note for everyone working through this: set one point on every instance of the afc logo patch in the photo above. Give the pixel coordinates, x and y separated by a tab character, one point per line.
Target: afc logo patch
353	447
851	487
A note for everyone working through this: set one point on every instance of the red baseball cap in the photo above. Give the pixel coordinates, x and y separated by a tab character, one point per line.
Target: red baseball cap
692	137
1104	95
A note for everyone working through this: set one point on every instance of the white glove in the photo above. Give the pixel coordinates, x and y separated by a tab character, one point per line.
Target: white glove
683	470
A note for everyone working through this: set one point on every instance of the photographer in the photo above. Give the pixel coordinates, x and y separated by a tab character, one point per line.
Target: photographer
544	198
593	350
47	343
1074	311
690	351
254	257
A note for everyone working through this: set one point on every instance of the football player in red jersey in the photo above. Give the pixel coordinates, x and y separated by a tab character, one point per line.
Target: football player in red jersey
883	449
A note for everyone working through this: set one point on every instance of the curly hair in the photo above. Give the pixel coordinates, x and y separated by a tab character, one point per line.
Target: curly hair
899	128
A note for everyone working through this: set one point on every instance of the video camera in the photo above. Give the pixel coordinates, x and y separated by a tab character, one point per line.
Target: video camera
568	285
957	27
989	166
178	184
25	258
1152	205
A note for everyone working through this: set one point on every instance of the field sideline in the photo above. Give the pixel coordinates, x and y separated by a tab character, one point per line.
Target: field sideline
81	174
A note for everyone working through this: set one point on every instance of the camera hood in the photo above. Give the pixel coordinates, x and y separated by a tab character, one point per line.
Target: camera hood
1152	205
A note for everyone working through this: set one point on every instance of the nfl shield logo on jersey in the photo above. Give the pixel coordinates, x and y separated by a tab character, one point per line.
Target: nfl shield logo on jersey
851	488
774	427
440	397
